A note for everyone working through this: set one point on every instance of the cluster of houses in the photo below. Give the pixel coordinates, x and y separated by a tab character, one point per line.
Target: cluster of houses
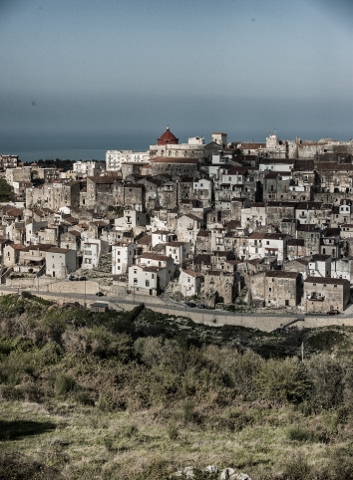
268	223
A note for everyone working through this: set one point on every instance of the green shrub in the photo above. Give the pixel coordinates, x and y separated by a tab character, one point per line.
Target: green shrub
64	384
172	430
297	468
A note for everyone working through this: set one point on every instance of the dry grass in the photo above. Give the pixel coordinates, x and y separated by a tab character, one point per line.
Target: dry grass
86	443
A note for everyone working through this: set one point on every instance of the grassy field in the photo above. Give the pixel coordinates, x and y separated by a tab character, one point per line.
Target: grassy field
134	396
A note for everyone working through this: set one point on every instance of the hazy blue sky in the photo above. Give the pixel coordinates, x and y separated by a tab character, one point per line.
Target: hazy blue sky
89	74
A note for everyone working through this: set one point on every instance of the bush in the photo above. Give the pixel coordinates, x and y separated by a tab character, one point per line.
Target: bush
297	468
172	430
64	384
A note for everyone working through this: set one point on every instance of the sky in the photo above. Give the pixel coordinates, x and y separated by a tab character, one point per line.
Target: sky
86	75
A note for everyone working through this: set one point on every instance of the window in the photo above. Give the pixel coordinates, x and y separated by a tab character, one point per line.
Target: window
147	283
270	289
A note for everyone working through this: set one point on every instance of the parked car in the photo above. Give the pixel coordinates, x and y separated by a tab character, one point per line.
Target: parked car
333	312
72	278
100	294
200	305
83	279
191	304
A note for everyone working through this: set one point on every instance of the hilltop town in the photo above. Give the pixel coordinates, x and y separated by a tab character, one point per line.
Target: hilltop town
268	225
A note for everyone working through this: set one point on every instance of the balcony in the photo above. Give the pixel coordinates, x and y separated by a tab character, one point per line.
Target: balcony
316	297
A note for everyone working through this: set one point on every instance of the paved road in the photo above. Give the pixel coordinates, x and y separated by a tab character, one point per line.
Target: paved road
179	309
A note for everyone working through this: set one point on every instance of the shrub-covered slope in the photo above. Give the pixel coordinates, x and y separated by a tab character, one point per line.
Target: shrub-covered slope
138	395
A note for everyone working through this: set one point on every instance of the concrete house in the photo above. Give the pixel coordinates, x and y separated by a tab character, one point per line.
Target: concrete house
275	244
91	253
60	262
152	274
190	282
178	251
188	227
122	257
320	266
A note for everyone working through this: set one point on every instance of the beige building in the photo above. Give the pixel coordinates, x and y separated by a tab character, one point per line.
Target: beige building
324	294
282	289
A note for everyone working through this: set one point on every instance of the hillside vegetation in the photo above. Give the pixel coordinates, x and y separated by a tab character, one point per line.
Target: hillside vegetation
139	395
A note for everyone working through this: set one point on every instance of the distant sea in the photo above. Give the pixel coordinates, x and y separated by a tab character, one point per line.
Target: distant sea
62	154
31	149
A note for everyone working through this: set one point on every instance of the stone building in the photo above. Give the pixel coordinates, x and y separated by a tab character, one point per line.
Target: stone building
276	212
220	286
324	294
100	191
175	166
335	177
168	146
311	234
277	186
282	289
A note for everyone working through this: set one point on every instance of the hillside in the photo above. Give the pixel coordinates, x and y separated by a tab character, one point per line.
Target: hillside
139	396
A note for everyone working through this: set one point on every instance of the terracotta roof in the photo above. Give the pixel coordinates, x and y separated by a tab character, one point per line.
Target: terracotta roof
281	274
174	160
194	274
275	236
296	241
161	232
343	167
303	165
319	258
58	250
281	204
17	246
331	281
204	233
167	138
193	217
154	256
102	180
256	235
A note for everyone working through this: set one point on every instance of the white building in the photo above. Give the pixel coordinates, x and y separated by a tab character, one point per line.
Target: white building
122	257
161	236
275	244
188	227
114	158
190	282
320	266
87	169
178	251
131	219
60	262
91	253
152	275
195	148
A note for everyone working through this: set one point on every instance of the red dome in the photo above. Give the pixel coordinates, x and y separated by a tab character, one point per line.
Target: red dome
167	138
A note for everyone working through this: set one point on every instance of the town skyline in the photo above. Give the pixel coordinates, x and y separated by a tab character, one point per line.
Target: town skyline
91	77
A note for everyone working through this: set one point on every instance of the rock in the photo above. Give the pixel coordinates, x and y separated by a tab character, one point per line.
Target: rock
212	469
241	476
186	472
227	474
